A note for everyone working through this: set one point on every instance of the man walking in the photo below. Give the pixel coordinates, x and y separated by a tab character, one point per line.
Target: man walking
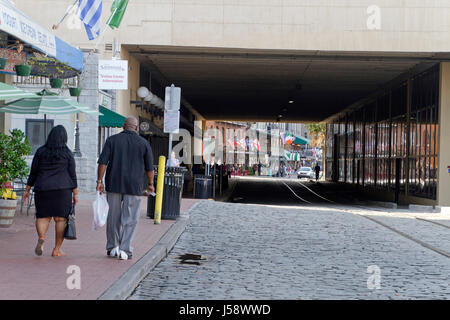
317	170
125	158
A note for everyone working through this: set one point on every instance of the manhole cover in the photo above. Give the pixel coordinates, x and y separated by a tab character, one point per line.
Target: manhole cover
190	258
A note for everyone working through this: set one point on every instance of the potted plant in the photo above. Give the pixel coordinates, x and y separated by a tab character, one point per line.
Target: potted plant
13	166
49	67
23	69
75	92
56	83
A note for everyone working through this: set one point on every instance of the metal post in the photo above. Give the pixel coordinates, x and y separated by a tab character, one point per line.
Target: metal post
220	178
214	181
159	189
45	127
408	140
169	156
77	151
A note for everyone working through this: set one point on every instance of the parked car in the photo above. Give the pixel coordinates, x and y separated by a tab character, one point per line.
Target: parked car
305	172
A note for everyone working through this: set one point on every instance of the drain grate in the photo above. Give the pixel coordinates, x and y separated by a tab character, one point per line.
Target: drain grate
190	258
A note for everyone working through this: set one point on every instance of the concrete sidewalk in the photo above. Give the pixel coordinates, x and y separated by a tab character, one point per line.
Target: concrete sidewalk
25	276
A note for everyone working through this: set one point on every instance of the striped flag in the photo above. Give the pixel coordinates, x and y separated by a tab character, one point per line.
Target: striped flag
90	11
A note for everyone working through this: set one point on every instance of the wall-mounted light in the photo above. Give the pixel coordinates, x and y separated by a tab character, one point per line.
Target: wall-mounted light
159	102
148	97
143	92
154	100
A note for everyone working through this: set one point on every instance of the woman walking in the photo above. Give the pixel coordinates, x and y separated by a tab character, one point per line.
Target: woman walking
55	186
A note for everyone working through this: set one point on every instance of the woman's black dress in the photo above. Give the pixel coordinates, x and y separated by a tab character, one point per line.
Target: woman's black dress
53	181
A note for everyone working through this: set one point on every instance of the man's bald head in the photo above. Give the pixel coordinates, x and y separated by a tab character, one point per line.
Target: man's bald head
130	124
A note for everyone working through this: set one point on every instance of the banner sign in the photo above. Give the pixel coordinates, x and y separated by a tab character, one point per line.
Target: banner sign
173	98
113	74
19	25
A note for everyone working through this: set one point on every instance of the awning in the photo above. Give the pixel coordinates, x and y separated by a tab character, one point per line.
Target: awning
110	118
69	55
46	104
16	23
289	138
301	140
8	92
291	156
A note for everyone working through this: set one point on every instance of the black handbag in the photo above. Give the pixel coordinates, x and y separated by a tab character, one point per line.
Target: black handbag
70	233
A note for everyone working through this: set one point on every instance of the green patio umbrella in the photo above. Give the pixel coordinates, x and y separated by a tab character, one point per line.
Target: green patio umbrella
46	102
8	92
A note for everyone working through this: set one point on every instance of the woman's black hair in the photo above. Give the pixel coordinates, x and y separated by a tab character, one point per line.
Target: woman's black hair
56	145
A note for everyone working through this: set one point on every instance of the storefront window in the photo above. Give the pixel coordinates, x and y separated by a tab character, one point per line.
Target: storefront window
35	132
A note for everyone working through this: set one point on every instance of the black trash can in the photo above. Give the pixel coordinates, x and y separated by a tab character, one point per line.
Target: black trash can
202	186
187	181
172	192
225	182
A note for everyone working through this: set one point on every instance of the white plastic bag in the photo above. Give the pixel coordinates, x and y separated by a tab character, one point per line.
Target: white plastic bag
101	209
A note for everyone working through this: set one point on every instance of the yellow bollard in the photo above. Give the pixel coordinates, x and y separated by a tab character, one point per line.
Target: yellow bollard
160	188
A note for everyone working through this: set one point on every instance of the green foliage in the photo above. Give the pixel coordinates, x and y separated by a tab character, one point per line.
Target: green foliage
13	148
48	66
316	128
317	131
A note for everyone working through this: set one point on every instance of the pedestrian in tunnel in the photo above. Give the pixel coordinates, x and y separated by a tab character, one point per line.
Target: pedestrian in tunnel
54	180
125	158
317	170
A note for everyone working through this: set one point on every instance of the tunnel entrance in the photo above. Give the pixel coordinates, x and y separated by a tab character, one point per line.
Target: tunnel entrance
376	113
258	85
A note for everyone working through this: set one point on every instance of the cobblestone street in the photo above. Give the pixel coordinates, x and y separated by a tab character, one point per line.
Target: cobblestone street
309	252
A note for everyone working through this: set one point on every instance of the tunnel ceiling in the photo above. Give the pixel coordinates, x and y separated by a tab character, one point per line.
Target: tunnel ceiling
254	85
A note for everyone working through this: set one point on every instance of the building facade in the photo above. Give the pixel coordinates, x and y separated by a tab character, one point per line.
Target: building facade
246	56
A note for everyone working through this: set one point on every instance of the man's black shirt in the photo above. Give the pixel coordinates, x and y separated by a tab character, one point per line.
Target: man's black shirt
127	156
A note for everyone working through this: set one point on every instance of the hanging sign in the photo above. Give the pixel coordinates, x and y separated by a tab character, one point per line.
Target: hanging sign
171	121
113	74
173	98
14	22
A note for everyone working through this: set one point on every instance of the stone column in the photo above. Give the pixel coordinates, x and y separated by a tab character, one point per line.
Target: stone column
88	125
443	192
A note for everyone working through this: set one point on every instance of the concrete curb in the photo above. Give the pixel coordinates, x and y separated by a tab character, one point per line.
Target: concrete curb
444	210
125	285
421	208
389	205
227	195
